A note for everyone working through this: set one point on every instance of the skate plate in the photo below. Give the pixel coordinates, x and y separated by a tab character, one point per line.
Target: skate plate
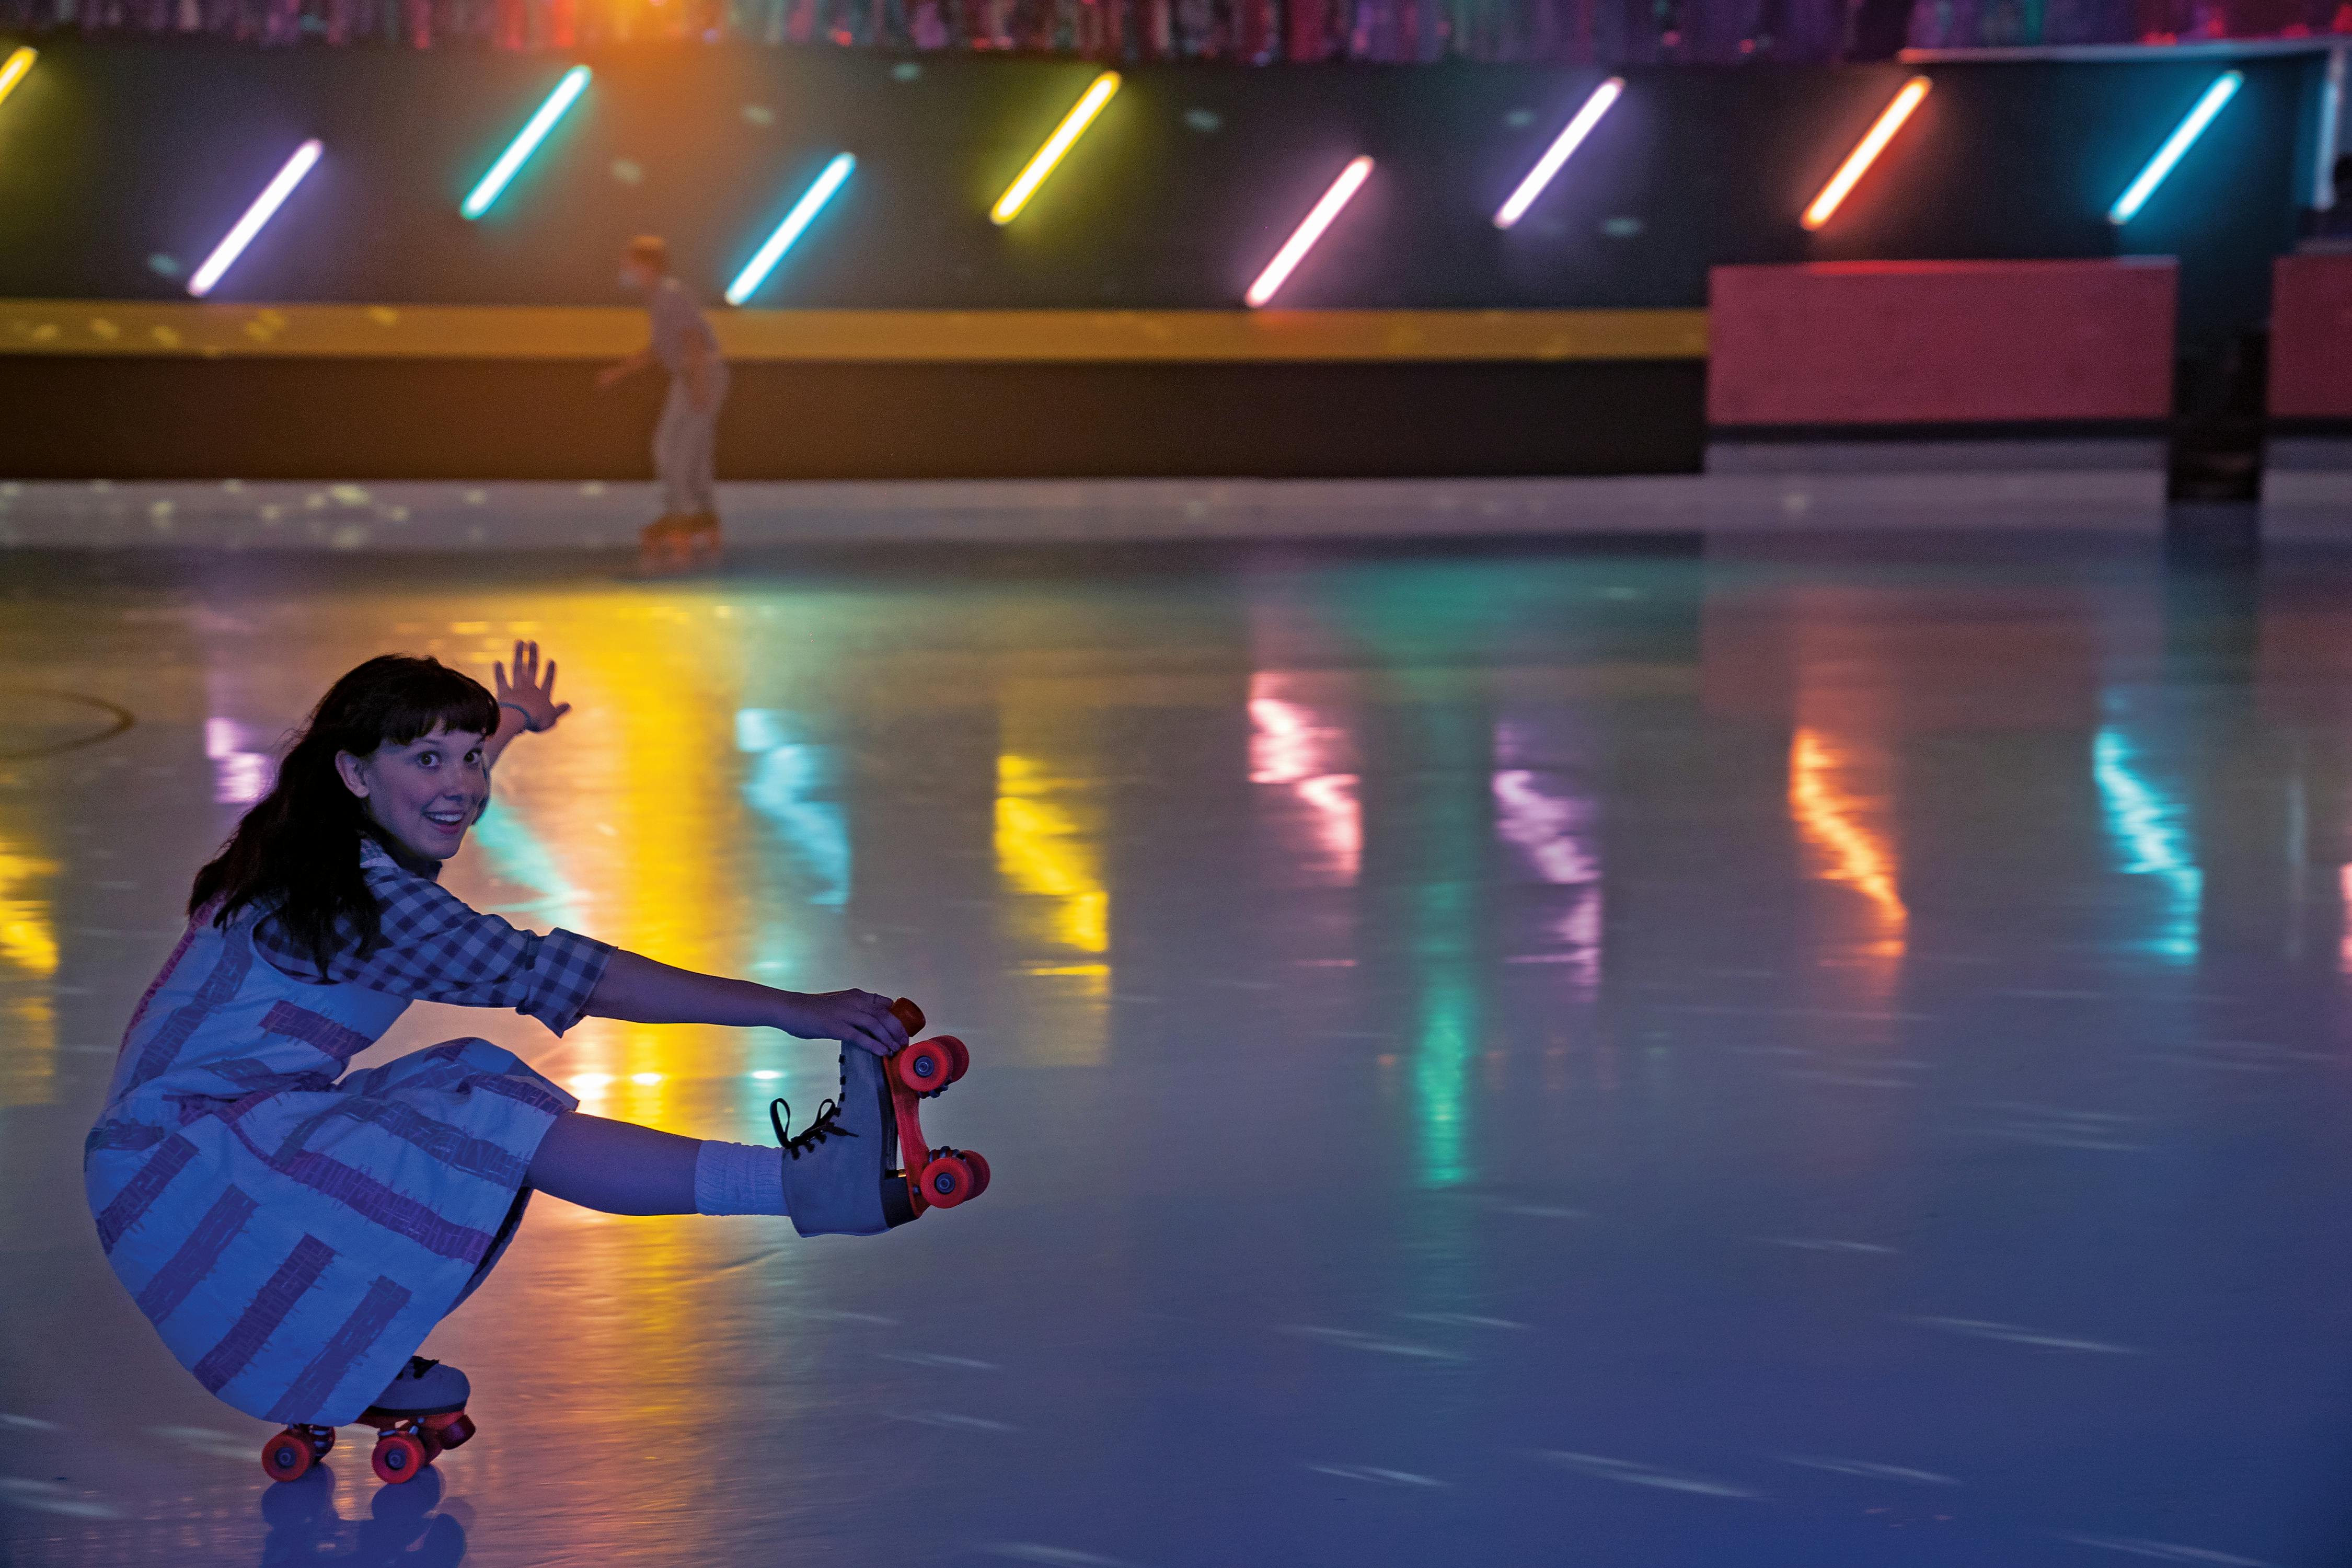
406	1441
933	1178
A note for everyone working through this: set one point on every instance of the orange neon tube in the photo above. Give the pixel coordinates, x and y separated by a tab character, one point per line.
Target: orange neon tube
1865	153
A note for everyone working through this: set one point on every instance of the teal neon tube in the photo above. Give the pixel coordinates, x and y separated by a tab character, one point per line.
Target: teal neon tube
755	272
575	83
2175	146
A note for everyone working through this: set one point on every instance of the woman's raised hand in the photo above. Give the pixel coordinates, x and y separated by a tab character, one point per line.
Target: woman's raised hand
853	1018
530	691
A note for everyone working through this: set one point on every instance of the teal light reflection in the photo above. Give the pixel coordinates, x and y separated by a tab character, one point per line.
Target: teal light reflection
1448	1036
788	785
518	855
1447	913
2148	836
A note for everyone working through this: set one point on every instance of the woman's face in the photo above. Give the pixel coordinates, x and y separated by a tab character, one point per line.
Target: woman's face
424	795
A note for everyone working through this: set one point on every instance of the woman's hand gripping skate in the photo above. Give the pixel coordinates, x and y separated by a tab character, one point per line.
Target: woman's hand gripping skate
857	1018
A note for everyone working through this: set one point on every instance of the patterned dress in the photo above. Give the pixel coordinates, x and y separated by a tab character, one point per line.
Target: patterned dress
292	1230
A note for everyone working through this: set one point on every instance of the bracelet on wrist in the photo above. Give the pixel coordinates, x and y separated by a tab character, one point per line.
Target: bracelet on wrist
519	708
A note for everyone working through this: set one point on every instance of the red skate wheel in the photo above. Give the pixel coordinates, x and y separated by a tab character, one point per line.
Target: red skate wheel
924	1066
906	1013
287	1457
979	1173
451	1431
961	1052
398	1457
947	1182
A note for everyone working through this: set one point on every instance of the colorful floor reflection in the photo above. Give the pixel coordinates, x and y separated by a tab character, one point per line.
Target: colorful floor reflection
1672	1058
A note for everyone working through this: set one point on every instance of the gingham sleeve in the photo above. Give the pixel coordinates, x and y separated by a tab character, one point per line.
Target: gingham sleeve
436	948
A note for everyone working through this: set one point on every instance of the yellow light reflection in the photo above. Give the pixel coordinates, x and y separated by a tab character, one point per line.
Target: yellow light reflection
1042	852
633	760
1832	819
1047	849
28	946
28	938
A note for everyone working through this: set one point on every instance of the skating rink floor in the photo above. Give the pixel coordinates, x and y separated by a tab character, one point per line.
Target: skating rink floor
1810	1052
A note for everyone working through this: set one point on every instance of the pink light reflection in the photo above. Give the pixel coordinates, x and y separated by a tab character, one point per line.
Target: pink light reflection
1554	833
2344	947
240	777
1293	746
1547	828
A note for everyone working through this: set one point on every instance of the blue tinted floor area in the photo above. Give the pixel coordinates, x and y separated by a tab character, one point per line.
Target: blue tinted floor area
1812	1053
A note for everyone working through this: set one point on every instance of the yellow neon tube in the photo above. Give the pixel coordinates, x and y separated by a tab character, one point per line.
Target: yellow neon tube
1073	125
18	66
1865	153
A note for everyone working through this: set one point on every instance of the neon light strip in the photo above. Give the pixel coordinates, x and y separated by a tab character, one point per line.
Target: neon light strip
265	207
2331	116
804	213
1865	153
1294	250
1557	154
18	66
2225	87
1073	125
575	83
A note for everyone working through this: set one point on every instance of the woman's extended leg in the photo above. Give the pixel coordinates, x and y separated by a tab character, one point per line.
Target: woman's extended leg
616	1166
620	1167
831	1174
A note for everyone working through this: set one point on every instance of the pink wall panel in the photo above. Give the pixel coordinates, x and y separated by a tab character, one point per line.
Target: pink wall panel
1904	343
2311	337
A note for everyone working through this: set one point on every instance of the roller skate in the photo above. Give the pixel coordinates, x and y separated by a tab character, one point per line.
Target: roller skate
418	1418
676	542
844	1173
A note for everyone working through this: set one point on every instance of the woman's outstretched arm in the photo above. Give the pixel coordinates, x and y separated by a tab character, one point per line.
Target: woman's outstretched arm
641	991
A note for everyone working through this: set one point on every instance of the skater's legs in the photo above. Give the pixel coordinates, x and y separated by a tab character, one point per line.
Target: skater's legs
619	1167
686	451
702	478
673	442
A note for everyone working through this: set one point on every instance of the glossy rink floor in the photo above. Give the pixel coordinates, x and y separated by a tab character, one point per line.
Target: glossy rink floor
1829	1055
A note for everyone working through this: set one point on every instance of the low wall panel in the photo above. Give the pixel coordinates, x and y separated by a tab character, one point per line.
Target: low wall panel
1941	343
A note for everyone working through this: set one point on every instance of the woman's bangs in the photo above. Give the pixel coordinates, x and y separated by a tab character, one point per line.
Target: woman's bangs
460	705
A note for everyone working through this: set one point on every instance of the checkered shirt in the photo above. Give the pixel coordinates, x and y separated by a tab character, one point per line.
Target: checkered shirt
436	948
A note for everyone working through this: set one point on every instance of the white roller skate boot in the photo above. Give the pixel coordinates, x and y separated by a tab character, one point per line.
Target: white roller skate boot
840	1175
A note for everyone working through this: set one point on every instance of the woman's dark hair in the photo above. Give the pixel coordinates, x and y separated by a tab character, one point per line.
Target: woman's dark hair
298	851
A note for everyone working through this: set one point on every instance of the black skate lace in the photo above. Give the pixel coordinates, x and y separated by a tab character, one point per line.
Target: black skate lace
418	1366
826	1125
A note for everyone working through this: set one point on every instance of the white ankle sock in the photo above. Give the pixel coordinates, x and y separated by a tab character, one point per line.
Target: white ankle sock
738	1178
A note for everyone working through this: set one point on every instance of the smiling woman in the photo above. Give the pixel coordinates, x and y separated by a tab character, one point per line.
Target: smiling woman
294	1230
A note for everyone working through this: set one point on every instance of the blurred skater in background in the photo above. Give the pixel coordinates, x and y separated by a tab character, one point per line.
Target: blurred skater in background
686	441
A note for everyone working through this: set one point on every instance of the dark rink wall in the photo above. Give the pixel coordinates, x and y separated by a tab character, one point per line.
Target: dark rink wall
121	165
